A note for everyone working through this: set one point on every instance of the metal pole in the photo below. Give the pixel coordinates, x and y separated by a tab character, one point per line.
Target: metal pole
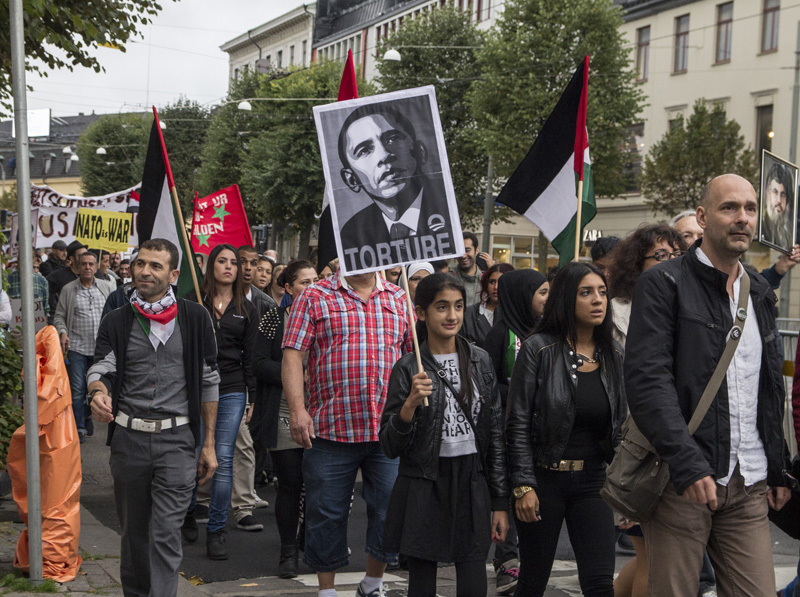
786	284
488	208
26	287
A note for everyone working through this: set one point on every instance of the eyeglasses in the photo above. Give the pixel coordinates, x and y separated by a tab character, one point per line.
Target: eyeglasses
664	255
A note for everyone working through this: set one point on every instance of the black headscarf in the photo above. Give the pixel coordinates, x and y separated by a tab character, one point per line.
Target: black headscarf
515	291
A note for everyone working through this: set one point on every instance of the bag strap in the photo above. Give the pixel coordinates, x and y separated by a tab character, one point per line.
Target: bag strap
725	360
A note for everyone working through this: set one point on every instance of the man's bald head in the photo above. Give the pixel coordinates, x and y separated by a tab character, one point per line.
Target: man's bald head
717	186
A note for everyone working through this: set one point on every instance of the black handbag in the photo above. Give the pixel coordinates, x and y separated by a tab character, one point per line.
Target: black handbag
637	476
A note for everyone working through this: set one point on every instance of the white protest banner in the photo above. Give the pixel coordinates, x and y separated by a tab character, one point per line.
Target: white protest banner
392	148
58	213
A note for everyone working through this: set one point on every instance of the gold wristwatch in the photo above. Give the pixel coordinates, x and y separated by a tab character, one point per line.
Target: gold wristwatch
521	490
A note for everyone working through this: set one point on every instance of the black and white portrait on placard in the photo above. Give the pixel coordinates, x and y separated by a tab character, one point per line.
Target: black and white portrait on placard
778	228
388	180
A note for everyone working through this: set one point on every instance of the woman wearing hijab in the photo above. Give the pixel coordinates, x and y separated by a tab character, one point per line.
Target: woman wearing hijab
521	296
417	272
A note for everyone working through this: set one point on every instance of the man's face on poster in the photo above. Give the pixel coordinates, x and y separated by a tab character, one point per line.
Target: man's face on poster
776	199
381	155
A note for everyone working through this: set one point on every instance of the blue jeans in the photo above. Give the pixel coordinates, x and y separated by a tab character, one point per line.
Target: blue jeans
76	370
329	473
229	415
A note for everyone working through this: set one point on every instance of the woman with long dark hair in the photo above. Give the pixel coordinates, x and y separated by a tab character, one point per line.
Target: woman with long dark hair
566	408
235	325
646	247
478	318
269	424
452	471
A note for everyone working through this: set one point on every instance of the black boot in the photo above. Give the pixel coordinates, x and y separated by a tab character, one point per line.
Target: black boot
189	529
215	546
287	568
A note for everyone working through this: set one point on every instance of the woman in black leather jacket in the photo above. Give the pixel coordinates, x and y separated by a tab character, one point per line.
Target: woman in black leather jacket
452	464
566	408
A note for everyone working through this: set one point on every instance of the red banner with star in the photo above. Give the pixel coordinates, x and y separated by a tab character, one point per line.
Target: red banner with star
219	219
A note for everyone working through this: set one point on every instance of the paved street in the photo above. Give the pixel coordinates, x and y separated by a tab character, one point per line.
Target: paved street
253	556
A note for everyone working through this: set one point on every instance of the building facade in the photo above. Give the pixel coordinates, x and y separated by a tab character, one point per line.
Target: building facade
278	44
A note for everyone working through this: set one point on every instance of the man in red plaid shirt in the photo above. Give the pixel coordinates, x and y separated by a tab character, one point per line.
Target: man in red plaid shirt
354	330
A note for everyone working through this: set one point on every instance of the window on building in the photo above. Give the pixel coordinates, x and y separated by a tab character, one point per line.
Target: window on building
305	51
280	58
291	55
769	25
724	32
236	74
764	132
642	53
681	62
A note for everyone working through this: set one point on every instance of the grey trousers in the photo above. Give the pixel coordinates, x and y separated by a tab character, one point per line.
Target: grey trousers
154	475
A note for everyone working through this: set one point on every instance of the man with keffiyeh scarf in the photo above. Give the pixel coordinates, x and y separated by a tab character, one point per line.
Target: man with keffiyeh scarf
155	381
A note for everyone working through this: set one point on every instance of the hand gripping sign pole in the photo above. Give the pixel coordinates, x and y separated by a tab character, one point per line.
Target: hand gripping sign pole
413	326
26	287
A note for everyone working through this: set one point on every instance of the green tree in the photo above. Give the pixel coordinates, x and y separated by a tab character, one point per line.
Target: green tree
186	124
450	64
690	154
124	139
67	33
527	63
227	138
282	175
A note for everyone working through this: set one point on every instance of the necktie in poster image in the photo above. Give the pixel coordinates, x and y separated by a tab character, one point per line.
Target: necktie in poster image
388	182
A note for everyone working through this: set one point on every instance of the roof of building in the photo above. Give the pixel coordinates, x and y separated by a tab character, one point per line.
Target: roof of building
340	18
264	31
638	9
47	157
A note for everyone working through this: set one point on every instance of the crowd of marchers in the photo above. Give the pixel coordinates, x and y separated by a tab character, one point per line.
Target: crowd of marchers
482	442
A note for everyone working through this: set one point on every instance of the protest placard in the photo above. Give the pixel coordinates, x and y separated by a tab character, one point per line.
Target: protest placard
104	230
391	147
15	326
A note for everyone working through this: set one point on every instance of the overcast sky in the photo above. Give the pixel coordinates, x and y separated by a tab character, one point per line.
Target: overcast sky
178	55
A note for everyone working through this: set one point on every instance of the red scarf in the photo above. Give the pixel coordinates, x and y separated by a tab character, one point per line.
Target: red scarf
164	317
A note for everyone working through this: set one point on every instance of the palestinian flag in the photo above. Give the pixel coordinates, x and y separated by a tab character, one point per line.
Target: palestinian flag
326	243
544	187
159	216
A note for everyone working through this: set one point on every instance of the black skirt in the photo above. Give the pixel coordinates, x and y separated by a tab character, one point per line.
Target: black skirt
447	520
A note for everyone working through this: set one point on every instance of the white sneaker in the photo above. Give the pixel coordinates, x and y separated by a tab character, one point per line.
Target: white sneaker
261	503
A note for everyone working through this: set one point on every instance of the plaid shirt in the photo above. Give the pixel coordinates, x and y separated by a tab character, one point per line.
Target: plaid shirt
352	347
41	290
86	319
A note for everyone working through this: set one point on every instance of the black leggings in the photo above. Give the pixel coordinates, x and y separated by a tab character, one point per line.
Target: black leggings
470	578
288	465
574	497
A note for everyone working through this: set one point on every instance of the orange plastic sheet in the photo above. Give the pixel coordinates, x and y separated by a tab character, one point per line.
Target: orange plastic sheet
60	465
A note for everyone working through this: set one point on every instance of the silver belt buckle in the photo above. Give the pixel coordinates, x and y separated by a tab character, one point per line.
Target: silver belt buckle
151	425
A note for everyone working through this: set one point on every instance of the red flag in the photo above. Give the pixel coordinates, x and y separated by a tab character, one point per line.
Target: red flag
581	136
326	245
220	218
348	88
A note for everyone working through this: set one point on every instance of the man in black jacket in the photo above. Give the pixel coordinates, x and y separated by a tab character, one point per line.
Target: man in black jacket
155	381
725	476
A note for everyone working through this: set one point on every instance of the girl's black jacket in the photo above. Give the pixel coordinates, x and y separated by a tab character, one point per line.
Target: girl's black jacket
418	442
542	405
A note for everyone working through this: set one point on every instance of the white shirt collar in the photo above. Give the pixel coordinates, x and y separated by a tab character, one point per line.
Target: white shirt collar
706	261
249	295
378	282
410	218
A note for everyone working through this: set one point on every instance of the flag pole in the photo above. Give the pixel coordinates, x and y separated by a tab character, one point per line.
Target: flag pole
413	326
578	220
173	191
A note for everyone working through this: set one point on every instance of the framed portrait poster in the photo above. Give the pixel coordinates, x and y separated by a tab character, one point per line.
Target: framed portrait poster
777	224
388	181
